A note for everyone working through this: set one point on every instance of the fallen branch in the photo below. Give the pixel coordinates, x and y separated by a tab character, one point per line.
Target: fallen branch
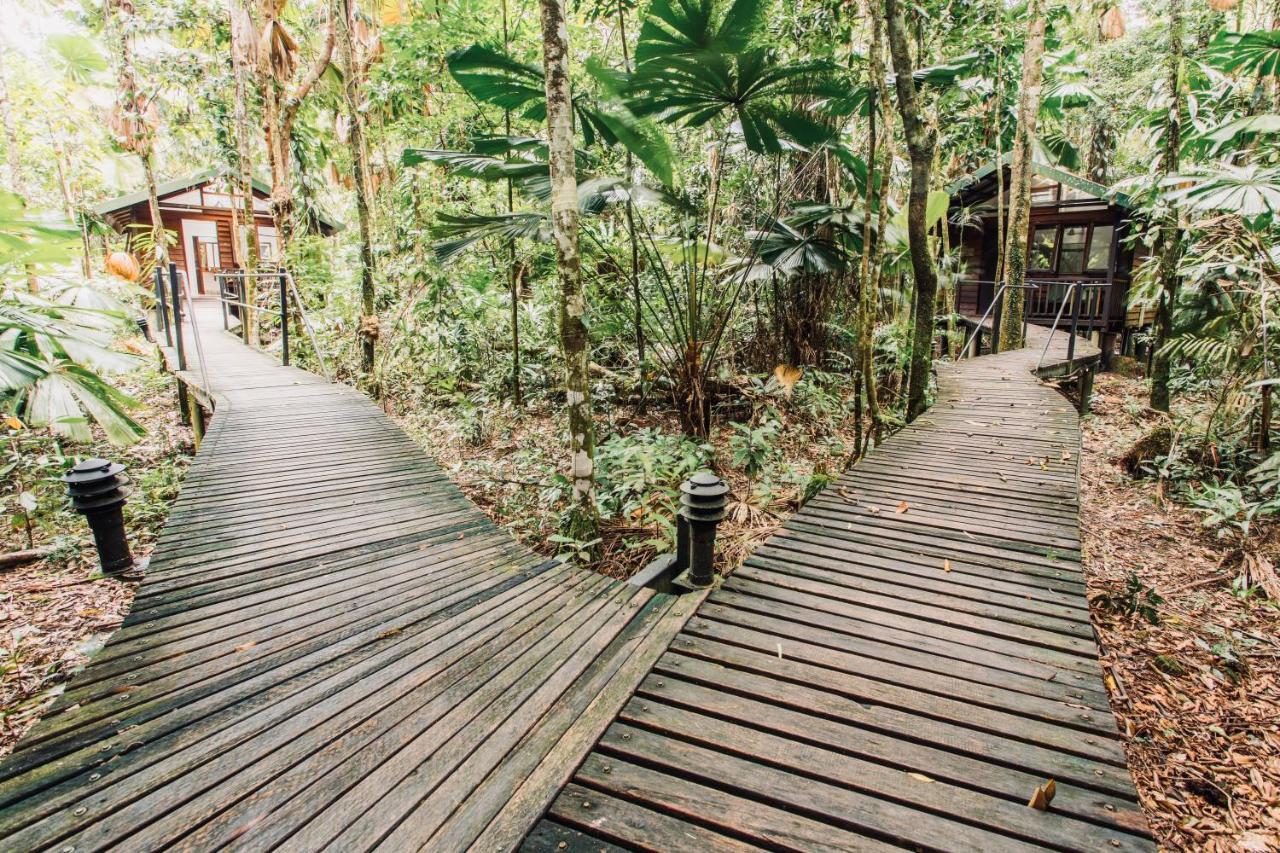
20	558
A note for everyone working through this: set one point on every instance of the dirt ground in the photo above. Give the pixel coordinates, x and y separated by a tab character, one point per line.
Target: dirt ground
1198	694
55	613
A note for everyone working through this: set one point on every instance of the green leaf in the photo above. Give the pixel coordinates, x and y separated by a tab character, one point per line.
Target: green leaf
1256	53
491	76
643	138
77	57
458	233
1249	191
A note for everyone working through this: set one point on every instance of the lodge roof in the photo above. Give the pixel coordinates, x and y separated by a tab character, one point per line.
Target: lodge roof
973	181
178	185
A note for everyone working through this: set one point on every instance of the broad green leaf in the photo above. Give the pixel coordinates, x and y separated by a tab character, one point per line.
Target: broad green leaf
77	57
1256	53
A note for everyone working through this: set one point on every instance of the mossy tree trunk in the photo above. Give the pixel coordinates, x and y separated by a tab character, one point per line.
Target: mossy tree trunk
582	522
921	141
1015	250
1168	244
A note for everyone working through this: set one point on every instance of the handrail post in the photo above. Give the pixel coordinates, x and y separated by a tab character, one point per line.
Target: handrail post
221	281
162	307
1075	322
176	294
284	318
996	317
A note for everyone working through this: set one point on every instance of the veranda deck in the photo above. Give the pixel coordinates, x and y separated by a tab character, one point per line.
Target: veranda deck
900	666
332	648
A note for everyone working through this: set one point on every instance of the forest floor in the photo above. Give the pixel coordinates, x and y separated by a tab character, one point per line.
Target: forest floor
57	612
506	464
1196	693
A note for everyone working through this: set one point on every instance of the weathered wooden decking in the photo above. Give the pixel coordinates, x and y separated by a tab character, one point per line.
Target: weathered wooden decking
901	665
332	648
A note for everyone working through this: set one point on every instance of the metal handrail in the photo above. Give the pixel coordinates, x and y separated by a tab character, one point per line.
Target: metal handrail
288	286
195	330
995	300
306	324
1073	288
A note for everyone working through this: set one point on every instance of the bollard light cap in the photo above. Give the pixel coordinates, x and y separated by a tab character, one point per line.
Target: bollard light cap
92	471
704	497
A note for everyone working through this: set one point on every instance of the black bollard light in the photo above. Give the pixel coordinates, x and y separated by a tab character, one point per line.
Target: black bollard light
703	498
97	491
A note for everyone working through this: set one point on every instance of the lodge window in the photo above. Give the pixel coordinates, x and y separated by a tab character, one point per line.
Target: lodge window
210	259
266	248
1043	241
1071	252
1100	248
1070	249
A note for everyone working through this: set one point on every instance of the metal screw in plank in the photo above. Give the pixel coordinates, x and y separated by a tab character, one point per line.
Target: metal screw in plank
97	490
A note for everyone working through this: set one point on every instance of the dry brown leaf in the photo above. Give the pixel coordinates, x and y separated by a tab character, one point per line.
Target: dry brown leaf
902	507
1043	796
787	377
244	647
946	565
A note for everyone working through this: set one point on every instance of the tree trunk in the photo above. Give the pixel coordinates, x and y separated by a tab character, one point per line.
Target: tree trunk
564	218
921	139
133	125
1015	250
513	268
631	222
1169	245
12	159
243	50
872	244
340	16
280	106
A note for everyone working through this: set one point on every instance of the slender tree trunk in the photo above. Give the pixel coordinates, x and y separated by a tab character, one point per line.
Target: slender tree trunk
998	120
872	260
631	219
513	269
921	139
243	58
1169	245
62	165
564	218
12	159
133	123
1015	251
340	16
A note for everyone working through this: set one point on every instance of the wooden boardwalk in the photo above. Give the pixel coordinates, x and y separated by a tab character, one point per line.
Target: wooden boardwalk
901	665
332	648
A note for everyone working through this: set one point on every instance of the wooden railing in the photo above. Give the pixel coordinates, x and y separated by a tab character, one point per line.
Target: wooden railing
1044	302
